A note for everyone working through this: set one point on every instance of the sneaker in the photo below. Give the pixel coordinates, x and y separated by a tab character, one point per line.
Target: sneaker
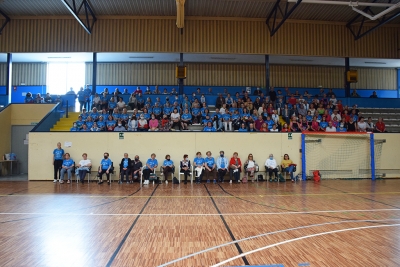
108	182
276	180
270	180
127	182
166	181
215	181
146	182
230	181
119	182
62	181
100	182
208	181
55	181
68	182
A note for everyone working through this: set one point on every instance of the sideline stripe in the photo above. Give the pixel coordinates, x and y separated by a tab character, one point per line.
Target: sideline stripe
130	229
227	228
194	214
242	196
270	233
300	238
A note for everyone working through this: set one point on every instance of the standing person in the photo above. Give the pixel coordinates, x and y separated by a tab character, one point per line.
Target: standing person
199	166
222	166
185	167
235	166
271	167
210	167
67	166
168	168
83	167
88	93
136	169
272	94
81	98
151	165
58	154
125	168
105	167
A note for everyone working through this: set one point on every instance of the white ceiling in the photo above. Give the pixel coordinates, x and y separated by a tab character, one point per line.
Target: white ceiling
199	58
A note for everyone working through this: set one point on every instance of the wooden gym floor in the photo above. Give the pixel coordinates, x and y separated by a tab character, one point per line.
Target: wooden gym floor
334	223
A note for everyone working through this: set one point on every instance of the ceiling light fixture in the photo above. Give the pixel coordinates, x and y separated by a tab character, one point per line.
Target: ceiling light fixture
370	62
301	60
224	58
141	57
58	57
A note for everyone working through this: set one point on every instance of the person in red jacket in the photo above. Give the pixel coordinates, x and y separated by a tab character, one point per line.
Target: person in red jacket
235	166
380	126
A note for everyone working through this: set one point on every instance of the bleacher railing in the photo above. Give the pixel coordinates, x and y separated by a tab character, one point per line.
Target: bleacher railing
54	115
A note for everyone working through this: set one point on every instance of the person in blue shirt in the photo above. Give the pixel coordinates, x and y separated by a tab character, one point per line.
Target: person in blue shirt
67	166
110	123
206	120
168	168
79	122
323	124
243	128
58	156
186	119
87	93
74	128
222	166
140	101
125	168
81	98
105	168
226	118
89	123
28	98
205	113
269	122
124	117
167	109
151	165
235	120
84	114
101	124
85	128
196	114
210	167
157	111
146	114
209	127
94	114
111	105
198	163
95	128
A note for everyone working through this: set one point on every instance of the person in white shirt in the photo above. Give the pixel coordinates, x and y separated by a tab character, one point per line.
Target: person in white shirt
333	100
176	119
330	128
83	167
337	115
362	125
272	167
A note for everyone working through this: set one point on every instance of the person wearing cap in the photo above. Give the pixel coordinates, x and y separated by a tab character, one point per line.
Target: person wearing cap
222	166
272	167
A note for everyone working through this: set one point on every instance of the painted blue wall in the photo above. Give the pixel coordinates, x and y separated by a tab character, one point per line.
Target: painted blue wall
18	93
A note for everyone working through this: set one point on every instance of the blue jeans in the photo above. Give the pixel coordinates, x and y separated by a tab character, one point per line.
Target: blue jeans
69	171
290	171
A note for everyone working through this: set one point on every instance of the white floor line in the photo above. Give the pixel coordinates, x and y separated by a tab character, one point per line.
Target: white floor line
195	214
300	238
270	233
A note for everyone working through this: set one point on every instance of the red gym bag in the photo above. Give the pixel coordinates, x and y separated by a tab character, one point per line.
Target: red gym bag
317	176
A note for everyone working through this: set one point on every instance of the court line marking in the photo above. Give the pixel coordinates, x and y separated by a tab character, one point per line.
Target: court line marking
270	233
300	238
243	196
194	214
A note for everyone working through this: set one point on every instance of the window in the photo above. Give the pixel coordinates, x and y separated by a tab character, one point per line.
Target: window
63	76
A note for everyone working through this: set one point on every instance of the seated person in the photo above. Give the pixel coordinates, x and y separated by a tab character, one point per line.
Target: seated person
74	128
83	167
210	167
142	124
153	124
132	124
186	119
196	113
84	128
84	114
374	95
235	166
125	168
95	128
274	129
294	125
380	126
285	128
101	124
370	125
89	122
198	163
38	99
250	166
288	166
110	123
48	99
119	127
243	128
168	168
165	124
136	169
176	119
104	168
272	167
209	127
124	116
185	167
28	98
264	127
227	121
151	165
67	166
330	128
222	166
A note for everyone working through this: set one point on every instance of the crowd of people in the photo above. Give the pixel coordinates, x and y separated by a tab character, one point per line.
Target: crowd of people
131	170
274	111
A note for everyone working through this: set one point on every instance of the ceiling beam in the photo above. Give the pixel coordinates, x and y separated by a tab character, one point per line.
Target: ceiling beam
88	11
285	15
5	22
